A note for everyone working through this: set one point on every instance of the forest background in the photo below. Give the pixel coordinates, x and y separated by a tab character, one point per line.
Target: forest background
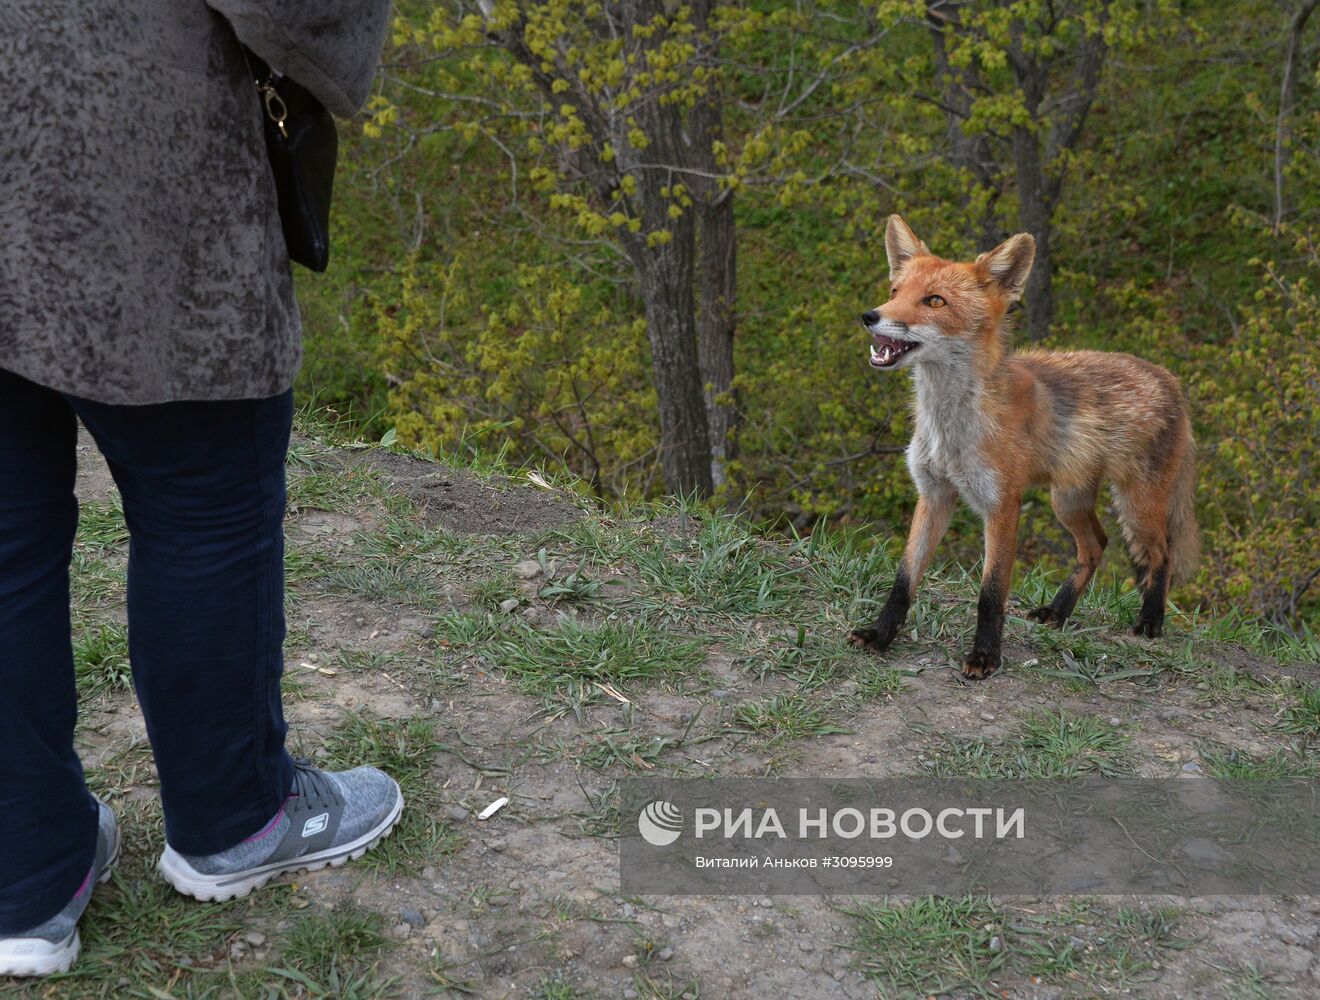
631	240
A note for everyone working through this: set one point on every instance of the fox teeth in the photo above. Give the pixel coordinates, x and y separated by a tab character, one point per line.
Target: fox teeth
883	356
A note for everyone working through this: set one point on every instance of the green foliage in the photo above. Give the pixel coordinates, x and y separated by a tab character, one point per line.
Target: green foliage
484	299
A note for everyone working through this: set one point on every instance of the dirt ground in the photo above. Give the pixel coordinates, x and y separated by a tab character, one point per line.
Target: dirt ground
526	903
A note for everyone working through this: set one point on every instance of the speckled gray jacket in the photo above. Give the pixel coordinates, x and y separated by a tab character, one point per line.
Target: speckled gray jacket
141	256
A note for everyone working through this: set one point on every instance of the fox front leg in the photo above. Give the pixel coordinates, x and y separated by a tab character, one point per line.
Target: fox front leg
1000	551
929	523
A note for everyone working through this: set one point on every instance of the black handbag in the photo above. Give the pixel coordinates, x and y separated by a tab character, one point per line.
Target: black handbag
302	143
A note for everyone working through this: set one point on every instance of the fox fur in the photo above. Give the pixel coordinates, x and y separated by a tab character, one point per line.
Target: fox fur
991	422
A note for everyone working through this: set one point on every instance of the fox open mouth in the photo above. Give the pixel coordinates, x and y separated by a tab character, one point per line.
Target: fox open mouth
886	351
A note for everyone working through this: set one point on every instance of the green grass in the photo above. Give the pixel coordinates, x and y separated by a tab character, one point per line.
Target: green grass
622	653
96	580
791	717
1232	764
811	660
404	748
336	489
334	954
101	525
1302	716
100	659
938	945
850	573
386	582
1045	745
490	591
554	988
721	569
875	680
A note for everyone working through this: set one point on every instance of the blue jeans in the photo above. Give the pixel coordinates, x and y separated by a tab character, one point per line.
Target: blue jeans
203	493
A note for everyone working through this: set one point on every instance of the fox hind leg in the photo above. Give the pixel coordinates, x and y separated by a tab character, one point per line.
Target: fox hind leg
1075	509
1144	515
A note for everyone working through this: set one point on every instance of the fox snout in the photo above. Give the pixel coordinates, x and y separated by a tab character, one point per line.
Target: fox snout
873	318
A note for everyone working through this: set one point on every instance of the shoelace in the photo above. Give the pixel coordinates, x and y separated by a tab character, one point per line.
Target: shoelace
311	785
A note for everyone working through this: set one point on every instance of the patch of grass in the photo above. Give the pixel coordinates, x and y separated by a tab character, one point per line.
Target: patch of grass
402	748
573	588
305	562
1047	745
722	569
1231	764
1285	645
810	659
444	974
336	489
649	987
937	945
334	954
613	748
417	841
850	572
95	581
791	717
610	652
364	660
875	680
490	591
100	659
138	926
601	817
932	945
101	525
378	580
602	541
466	629
554	988
1245	981
1302	716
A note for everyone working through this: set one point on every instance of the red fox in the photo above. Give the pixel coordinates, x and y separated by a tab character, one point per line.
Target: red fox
991	423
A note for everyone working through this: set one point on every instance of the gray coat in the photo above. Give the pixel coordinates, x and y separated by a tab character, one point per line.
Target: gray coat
141	255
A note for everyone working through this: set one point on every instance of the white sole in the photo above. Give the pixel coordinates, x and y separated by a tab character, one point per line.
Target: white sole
39	957
176	870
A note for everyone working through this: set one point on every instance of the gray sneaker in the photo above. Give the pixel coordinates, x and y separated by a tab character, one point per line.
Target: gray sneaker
329	817
54	945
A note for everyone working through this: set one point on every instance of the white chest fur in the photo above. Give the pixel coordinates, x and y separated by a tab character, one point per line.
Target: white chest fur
945	453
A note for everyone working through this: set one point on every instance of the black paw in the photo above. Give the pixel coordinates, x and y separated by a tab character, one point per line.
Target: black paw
1046	616
869	639
1147	628
980	664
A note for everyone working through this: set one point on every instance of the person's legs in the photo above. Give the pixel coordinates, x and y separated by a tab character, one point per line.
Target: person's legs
48	820
203	493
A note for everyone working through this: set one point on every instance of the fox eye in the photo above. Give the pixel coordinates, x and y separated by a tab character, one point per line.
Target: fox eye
934	301
893	291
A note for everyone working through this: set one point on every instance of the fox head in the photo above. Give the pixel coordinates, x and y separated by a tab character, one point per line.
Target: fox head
942	311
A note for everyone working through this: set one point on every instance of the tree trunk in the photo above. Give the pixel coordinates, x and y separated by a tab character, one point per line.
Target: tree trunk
716	325
666	281
717	271
1287	98
665	278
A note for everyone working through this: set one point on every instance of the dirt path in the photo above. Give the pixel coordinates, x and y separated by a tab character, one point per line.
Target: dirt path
437	627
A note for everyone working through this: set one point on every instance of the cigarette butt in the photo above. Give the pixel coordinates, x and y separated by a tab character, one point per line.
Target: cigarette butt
494	807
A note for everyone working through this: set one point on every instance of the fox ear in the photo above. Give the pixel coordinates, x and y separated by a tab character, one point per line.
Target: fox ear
1008	264
901	244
